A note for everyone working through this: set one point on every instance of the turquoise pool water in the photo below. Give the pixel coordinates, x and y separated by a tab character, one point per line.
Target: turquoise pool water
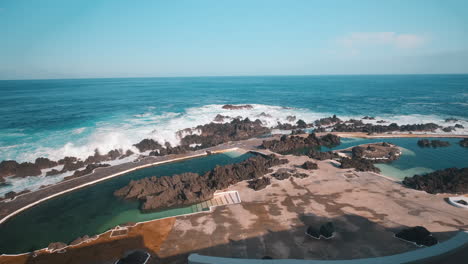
414	159
94	210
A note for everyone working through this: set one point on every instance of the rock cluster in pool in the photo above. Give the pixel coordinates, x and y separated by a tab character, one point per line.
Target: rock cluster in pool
188	188
451	180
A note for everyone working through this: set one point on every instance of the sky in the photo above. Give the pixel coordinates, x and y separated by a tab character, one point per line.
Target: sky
116	38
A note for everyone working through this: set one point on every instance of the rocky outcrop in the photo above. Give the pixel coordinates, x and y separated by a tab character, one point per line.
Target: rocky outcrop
376	152
214	134
148	144
237	107
27	169
433	143
259	184
319	155
291	143
450	180
284	173
45	163
220	118
291	118
358	164
419	235
464	142
309	165
369	118
189	188
327	121
8	168
393	127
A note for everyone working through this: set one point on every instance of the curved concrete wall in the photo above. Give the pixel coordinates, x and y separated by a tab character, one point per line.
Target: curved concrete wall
459	240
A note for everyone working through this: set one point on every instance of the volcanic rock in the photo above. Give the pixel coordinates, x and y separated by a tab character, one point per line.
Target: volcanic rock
189	188
419	235
220	118
327	121
358	164
451	180
236	107
318	155
464	142
291	143
8	168
53	172
148	144
291	118
45	163
259	184
79	240
433	143
27	169
309	165
89	169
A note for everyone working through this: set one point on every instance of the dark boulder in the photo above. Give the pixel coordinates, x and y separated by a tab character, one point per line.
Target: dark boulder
459	126
188	188
220	118
451	120
53	172
148	144
259	184
237	107
8	168
45	163
281	174
27	169
358	164
313	232
327	121
79	240
301	124
319	155
369	118
56	246
291	143
450	180
309	165
418	234
291	118
464	142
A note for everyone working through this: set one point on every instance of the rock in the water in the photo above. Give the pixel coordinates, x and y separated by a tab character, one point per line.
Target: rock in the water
327	230
148	144
259	184
189	188
450	180
237	107
464	142
309	165
45	163
433	143
419	235
52	172
8	168
291	118
27	169
79	240
220	118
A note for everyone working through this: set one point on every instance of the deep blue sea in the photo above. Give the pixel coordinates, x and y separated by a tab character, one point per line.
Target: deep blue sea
57	118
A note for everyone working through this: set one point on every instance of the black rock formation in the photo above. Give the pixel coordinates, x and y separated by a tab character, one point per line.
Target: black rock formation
189	188
290	143
309	165
450	180
419	235
358	164
259	184
236	107
464	142
433	143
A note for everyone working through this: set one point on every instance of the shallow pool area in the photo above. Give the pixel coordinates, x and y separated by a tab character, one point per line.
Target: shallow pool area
415	159
94	209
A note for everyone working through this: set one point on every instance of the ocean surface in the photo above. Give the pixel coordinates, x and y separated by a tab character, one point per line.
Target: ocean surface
57	118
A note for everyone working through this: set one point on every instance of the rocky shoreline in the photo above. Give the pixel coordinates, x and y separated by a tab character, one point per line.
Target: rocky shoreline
451	180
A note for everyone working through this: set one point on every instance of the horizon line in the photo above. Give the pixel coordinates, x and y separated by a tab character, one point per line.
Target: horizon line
223	76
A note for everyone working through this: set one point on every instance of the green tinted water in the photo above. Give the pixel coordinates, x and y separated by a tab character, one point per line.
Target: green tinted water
94	210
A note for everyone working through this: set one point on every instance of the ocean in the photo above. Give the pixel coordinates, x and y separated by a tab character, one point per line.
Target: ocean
57	118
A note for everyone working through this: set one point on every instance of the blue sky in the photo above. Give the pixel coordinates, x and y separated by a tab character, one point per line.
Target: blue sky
116	38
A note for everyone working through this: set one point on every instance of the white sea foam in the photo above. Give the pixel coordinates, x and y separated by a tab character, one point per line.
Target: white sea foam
122	134
163	127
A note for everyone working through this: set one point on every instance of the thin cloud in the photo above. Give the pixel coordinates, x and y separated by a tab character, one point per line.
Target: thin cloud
361	39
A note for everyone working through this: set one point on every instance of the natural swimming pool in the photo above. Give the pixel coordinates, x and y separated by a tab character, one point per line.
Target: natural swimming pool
415	159
94	210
